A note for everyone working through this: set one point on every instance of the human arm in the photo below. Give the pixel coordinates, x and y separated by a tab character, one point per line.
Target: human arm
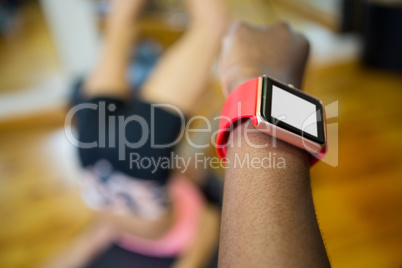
268	217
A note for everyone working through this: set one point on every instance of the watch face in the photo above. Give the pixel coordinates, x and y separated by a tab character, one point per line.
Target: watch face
293	110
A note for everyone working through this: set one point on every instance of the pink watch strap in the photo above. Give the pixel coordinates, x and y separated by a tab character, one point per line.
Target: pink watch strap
241	103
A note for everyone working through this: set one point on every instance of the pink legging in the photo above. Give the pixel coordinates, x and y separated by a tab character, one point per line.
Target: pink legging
187	204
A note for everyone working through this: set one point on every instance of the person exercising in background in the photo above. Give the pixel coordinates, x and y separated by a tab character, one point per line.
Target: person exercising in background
150	213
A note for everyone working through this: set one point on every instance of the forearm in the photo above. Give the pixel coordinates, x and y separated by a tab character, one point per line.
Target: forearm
268	213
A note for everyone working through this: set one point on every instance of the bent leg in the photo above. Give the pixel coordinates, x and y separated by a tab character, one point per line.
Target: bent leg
109	75
184	70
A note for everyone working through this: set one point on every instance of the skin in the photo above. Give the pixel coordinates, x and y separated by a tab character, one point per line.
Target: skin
268	217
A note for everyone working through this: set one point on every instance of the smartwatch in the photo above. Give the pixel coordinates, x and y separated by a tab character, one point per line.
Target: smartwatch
278	110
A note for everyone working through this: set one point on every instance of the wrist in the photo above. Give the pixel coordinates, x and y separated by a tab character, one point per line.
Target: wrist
245	138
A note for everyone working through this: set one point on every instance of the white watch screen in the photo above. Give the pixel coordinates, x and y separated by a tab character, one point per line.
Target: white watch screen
294	111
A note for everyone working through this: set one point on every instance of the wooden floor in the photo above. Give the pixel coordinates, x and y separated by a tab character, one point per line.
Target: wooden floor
358	202
27	50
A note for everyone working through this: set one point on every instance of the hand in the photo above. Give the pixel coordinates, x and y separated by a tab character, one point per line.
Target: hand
250	51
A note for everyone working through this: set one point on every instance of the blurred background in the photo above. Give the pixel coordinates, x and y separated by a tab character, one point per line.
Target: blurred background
355	68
